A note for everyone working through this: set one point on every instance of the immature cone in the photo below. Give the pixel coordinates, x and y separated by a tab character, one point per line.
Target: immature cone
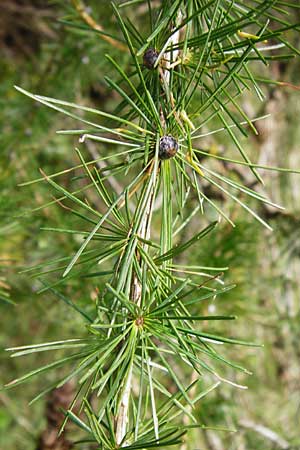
150	57
168	147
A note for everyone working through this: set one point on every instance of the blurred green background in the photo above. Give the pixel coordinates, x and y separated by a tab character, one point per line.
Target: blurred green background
44	55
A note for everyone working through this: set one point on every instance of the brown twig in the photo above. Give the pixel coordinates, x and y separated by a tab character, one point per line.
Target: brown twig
136	294
88	19
136	288
57	400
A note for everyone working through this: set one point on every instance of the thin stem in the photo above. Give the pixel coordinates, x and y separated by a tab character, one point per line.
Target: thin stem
88	19
144	233
136	294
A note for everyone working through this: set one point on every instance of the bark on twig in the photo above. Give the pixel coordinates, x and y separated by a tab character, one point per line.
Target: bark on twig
136	293
144	232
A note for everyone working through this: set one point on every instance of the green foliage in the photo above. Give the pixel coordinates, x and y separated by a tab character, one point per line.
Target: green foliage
142	326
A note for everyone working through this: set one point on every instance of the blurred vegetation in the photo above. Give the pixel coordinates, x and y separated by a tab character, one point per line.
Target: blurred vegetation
41	53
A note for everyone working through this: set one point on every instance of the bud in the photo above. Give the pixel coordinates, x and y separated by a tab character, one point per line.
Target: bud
168	147
150	57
